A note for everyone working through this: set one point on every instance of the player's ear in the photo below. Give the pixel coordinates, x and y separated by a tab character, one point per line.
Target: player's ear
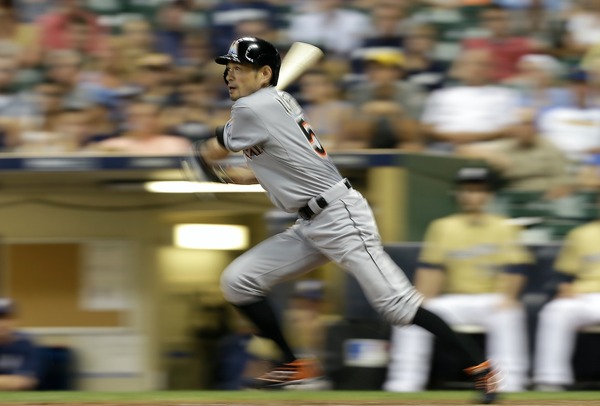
265	74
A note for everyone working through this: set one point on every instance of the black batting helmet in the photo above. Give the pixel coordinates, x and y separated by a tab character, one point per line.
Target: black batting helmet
253	51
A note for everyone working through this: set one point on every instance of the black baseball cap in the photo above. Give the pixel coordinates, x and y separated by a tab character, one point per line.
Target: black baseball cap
476	174
7	307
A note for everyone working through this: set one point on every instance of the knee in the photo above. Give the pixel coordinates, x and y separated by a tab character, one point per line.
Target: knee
238	287
558	310
399	311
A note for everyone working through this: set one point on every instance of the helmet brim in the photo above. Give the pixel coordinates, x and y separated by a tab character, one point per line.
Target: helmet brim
225	59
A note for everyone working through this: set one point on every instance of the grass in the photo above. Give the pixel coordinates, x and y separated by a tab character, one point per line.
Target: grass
257	396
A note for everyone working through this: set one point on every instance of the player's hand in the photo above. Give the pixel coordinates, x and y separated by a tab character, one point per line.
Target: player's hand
210	150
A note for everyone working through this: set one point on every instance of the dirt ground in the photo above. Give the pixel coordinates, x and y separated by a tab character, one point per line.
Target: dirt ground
332	403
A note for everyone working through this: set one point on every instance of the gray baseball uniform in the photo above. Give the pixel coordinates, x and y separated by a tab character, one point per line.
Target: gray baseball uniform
335	224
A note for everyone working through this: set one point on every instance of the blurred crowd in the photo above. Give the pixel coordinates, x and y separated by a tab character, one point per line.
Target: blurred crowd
500	80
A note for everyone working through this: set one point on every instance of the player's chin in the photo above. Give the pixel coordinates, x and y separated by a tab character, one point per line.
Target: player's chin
234	94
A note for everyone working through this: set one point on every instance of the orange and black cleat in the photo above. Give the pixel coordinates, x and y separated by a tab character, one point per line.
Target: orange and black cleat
297	373
486	380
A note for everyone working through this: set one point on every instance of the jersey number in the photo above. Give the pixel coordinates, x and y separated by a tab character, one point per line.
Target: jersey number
311	137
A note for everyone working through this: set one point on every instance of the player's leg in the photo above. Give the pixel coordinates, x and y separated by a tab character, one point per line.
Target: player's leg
556	337
411	349
346	233
506	341
248	278
412	346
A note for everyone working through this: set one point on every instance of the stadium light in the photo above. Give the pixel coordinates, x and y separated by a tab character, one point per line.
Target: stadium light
199	187
211	236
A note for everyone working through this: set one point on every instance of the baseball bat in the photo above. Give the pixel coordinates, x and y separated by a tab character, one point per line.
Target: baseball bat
298	59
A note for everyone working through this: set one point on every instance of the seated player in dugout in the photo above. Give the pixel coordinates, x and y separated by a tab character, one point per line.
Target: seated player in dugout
335	222
472	269
19	357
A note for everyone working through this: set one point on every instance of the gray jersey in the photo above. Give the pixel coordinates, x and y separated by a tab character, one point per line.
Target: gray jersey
280	148
289	162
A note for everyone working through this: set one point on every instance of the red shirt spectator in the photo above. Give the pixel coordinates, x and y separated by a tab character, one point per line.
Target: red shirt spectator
506	49
62	28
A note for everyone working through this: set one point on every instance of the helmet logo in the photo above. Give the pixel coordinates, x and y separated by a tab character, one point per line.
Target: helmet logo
233	49
247	53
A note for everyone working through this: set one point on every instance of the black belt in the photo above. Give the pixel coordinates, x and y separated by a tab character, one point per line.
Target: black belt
307	213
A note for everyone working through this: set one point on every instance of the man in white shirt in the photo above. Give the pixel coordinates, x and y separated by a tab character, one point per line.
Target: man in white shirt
331	26
474	111
575	130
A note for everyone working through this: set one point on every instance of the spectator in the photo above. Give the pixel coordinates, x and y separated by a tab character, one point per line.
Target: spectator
16	111
68	133
581	29
328	114
48	99
505	48
422	67
66	68
175	20
18	38
537	83
30	11
103	118
468	113
588	177
338	30
575	129
196	52
57	27
471	271
387	24
386	32
136	40
19	357
107	77
155	79
226	15
527	161
256	27
575	305
387	107
142	135
198	114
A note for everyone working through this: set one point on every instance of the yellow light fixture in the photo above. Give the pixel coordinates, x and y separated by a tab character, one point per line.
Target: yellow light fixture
211	236
180	186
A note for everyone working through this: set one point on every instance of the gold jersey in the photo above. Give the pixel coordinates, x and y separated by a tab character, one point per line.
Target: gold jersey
580	257
473	252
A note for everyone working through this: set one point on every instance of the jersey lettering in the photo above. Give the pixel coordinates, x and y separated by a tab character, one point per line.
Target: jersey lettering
293	109
311	137
253	151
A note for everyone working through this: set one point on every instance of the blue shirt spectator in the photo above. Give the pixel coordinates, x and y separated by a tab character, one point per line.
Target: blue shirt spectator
229	13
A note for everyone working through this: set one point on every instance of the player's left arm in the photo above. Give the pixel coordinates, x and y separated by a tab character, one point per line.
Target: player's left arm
213	150
430	276
518	261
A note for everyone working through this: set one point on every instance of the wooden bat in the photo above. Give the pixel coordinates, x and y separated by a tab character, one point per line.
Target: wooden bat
298	59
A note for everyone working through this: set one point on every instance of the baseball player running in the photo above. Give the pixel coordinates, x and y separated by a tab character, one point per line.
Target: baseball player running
576	305
472	270
335	222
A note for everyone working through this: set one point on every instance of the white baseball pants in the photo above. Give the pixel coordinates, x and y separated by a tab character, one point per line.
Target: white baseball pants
506	341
